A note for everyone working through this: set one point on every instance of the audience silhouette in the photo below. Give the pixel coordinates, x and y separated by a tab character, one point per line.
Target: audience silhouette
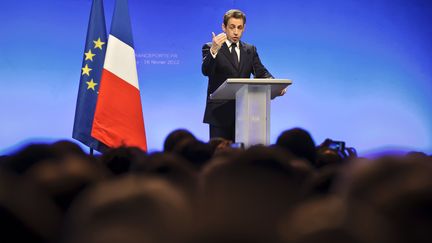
194	192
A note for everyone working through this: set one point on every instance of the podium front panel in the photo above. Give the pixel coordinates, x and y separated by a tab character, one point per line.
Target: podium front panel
253	115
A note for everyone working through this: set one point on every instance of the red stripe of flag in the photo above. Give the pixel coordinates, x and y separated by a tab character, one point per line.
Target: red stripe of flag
118	117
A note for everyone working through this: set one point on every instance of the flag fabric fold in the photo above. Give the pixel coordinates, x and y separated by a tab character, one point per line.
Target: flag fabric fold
91	71
118	118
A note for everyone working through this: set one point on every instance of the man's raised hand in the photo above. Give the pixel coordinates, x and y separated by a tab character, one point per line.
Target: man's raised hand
217	42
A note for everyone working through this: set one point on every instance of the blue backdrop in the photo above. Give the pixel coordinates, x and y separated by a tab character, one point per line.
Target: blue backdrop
362	70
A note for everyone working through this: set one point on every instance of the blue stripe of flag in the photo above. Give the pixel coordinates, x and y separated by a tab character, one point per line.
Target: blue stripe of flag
120	25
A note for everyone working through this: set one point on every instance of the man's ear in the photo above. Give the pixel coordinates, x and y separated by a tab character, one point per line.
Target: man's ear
223	28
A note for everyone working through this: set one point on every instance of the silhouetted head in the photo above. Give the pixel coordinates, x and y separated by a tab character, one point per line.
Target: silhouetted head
68	148
196	152
129	209
27	214
171	167
299	142
32	154
119	160
399	189
246	194
175	137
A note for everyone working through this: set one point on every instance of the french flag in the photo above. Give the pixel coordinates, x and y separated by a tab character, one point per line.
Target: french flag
118	119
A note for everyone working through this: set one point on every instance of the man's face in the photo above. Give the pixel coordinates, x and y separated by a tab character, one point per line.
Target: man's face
234	29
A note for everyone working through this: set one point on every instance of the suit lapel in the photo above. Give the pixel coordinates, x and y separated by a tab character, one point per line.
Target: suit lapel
243	56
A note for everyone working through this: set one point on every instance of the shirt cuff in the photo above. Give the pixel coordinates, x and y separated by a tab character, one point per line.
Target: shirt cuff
213	55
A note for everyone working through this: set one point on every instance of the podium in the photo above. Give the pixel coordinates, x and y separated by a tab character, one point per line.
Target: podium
252	96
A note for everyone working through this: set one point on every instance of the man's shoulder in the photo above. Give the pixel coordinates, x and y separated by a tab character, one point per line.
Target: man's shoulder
207	45
246	45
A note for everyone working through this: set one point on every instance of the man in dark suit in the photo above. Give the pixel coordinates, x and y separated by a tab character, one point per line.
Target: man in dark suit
228	57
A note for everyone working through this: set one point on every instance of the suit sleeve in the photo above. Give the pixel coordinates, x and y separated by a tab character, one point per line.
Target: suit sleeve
209	62
259	71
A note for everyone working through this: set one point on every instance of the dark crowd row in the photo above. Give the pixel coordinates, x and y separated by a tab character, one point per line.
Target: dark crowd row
194	191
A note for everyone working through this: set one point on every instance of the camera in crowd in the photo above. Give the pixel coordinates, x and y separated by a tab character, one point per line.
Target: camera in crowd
237	145
334	152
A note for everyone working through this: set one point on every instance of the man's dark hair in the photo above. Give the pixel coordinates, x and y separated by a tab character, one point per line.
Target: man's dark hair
175	137
234	13
299	142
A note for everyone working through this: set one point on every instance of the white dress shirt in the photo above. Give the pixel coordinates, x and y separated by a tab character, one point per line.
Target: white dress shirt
228	43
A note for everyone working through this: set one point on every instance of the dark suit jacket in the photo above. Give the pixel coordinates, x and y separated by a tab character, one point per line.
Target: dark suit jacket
222	112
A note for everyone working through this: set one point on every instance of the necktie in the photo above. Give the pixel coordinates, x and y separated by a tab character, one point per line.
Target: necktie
234	55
